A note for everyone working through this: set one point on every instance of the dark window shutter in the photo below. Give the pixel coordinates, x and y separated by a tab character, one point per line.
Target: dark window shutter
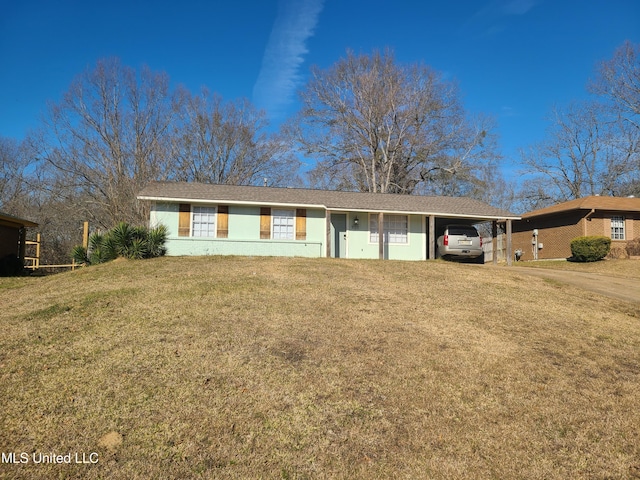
223	222
265	223
184	220
301	224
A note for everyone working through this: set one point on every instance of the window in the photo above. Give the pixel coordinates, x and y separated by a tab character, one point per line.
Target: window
204	222
396	228
617	228
282	224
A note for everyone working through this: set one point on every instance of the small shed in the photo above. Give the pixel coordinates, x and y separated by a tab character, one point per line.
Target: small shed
13	232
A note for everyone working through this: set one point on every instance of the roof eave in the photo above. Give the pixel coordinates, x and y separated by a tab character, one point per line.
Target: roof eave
11	221
325	207
227	202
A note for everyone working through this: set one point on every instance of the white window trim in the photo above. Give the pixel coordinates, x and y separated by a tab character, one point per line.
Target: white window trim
620	226
215	221
374	216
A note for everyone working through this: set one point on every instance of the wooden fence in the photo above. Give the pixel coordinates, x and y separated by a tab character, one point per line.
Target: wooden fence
33	262
487	246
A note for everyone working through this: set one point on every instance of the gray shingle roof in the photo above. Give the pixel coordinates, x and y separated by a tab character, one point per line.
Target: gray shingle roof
332	200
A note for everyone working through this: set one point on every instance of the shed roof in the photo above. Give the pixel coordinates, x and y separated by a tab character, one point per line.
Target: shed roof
462	207
619	204
11	221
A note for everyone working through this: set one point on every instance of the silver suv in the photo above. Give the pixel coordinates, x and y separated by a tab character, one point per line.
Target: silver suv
460	241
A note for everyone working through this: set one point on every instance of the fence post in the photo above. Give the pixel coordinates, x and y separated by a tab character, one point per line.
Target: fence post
85	235
37	262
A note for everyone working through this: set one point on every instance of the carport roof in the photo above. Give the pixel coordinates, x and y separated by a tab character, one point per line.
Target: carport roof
187	192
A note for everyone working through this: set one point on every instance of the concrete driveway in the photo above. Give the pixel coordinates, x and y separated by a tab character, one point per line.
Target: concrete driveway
622	288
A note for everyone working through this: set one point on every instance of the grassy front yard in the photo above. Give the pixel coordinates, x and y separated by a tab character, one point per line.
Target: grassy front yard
292	368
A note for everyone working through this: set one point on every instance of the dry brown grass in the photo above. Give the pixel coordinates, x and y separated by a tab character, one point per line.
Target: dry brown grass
293	368
616	267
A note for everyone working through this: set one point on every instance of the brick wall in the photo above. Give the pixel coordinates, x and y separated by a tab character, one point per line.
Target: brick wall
554	232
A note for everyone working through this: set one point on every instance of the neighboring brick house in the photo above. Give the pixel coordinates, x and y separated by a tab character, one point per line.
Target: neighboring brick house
615	217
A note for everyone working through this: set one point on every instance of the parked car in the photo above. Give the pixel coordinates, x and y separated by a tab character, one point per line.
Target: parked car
460	242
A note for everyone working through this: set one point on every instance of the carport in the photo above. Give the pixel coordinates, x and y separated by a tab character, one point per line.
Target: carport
435	225
437	211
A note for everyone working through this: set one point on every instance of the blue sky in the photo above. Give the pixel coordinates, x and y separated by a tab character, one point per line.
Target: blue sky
512	59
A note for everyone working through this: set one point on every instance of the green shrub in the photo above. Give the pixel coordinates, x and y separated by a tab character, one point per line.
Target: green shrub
590	249
122	241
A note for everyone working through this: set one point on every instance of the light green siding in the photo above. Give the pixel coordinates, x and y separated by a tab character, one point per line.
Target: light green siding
244	235
359	246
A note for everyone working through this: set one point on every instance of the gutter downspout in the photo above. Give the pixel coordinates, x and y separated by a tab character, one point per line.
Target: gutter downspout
585	219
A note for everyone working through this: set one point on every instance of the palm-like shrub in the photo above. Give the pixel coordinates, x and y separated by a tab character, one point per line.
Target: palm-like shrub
122	240
121	235
156	238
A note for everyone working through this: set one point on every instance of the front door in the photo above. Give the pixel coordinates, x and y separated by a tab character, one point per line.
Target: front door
339	235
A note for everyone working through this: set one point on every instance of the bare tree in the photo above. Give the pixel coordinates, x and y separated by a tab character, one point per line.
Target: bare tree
377	126
227	143
26	193
13	163
106	138
592	147
618	79
587	152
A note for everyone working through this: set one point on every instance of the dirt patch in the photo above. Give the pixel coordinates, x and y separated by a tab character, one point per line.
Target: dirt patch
111	441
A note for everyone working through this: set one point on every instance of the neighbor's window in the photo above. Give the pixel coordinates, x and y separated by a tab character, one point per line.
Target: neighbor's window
396	228
282	224
204	222
617	228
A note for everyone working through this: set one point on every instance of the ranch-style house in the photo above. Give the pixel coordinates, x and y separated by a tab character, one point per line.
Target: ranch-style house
207	219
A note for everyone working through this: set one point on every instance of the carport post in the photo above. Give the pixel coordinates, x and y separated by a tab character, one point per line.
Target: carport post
381	236
328	237
509	246
432	237
494	236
